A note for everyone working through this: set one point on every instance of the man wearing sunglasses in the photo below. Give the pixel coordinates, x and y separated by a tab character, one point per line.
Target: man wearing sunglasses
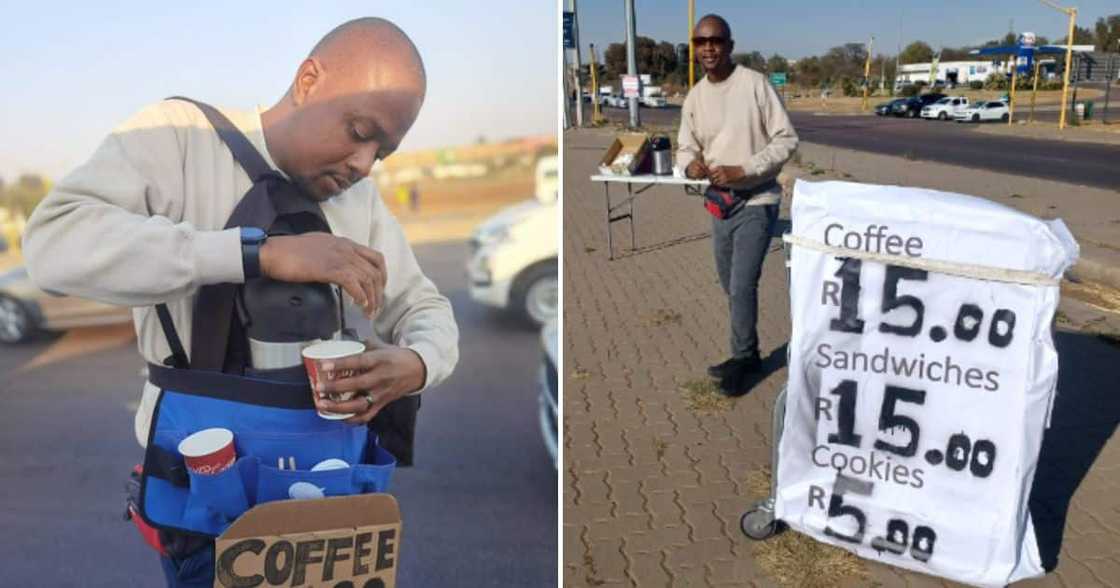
735	132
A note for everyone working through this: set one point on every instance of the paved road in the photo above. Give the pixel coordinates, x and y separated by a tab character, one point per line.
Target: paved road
479	509
957	144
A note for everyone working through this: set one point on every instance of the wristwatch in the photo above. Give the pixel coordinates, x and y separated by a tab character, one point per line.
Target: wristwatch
252	239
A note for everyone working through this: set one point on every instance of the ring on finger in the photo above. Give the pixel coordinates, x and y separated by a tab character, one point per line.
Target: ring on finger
369	401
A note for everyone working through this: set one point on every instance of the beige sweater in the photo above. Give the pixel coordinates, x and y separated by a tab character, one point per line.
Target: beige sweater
141	223
739	121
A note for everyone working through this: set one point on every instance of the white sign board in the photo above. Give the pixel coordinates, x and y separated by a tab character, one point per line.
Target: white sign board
631	88
922	372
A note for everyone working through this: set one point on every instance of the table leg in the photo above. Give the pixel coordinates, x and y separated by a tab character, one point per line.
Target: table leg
630	193
607	196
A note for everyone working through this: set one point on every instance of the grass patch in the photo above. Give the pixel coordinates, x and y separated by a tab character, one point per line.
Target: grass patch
580	374
660	446
704	396
589	250
663	316
1017	196
795	560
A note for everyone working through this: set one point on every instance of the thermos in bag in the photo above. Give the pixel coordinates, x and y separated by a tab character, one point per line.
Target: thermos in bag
662	156
282	318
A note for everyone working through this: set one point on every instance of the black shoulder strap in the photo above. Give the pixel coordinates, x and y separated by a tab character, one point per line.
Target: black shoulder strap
260	207
243	151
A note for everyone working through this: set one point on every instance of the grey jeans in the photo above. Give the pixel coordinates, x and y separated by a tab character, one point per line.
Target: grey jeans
740	243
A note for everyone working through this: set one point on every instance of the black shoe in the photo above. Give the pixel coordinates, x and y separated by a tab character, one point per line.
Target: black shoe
738	379
719	370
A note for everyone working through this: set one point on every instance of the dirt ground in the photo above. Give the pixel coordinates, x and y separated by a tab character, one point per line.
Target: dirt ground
451	209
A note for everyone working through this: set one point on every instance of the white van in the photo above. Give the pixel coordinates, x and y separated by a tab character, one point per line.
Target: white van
513	260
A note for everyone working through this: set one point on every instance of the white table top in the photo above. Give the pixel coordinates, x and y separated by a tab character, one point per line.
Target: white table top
649	179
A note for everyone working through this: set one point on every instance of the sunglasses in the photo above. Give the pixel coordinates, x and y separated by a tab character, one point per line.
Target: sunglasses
701	41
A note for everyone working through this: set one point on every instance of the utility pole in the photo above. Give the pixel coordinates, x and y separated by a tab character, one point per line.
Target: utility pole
882	75
579	80
632	60
867	73
1072	14
1011	95
691	47
1034	90
897	54
596	116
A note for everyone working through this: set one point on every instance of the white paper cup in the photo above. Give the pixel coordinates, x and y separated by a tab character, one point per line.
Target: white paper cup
209	451
315	355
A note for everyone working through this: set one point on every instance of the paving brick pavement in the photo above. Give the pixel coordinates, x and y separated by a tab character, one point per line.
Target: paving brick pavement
653	491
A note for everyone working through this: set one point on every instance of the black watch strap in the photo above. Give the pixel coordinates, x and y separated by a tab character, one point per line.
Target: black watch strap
251	259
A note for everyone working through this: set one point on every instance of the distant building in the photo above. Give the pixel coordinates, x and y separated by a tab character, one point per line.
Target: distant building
948	72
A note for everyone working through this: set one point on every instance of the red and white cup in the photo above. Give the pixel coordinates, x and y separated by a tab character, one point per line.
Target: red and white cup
313	358
209	451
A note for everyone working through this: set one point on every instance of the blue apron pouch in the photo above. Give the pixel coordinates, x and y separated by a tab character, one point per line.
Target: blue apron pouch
278	438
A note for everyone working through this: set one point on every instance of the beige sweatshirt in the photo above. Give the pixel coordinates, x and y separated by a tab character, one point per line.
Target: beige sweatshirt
141	223
739	121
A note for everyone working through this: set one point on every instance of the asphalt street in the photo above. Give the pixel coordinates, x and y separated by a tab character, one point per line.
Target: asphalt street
1087	164
479	508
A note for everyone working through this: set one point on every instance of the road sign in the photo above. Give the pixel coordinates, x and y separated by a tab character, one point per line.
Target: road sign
778	79
569	24
631	87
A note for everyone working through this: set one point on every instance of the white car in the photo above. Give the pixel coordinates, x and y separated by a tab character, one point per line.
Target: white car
655	101
513	260
946	108
982	111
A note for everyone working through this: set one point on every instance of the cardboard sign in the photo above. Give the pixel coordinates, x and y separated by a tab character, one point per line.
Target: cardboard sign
342	542
922	372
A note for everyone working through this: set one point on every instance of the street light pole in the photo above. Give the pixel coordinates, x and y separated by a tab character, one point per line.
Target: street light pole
691	48
866	73
1072	13
579	78
632	60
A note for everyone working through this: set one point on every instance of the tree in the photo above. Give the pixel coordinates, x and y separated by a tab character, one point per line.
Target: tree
659	60
25	194
1107	33
753	60
916	52
1081	36
777	63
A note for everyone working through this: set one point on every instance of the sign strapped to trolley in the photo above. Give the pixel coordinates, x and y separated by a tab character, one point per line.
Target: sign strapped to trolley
922	373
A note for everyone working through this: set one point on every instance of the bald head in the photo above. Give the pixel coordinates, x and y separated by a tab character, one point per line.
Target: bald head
364	45
716	21
351	103
712	40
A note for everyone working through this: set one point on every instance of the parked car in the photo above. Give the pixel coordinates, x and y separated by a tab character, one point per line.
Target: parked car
946	108
983	111
914	105
655	101
25	310
548	393
888	107
513	259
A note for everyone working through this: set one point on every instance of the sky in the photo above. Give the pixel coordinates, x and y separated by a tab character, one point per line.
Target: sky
804	28
77	69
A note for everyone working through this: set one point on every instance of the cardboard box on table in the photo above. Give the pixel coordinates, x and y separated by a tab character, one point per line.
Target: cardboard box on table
628	155
340	542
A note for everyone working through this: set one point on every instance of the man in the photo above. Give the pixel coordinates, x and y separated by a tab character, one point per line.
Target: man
736	133
142	221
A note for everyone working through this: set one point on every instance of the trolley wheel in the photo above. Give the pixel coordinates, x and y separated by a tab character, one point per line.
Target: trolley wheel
759	523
